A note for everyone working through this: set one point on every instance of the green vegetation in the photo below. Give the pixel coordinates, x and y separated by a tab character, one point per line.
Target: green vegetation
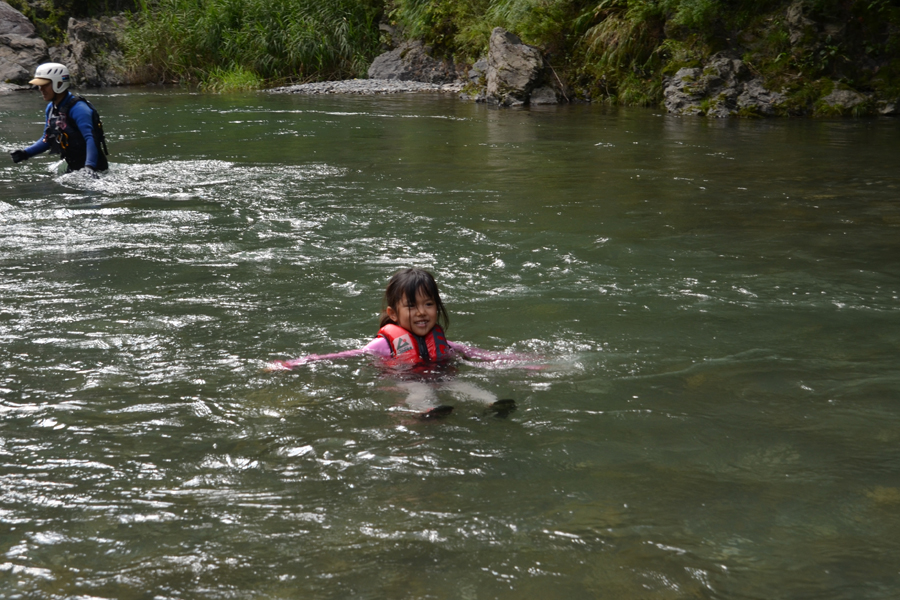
236	79
617	51
51	17
829	44
242	43
620	50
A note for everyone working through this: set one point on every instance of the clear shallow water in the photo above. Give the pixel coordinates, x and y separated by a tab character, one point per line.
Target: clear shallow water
716	304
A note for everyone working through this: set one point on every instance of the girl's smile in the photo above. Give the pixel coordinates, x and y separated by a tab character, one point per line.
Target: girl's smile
419	318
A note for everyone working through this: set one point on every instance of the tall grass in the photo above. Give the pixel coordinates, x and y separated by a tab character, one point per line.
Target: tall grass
269	41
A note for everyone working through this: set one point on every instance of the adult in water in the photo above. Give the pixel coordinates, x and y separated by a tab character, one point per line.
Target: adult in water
73	128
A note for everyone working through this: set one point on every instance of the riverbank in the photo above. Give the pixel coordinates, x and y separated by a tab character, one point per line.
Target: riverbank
774	58
9	88
363	87
369	87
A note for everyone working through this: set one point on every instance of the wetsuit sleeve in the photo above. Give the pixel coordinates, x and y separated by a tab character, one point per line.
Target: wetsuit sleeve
40	145
379	347
83	117
37	147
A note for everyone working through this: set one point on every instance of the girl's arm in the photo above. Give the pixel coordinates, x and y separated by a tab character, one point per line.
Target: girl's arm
487	355
379	347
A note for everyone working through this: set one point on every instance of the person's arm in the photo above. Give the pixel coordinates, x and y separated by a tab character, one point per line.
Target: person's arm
37	147
84	119
473	353
379	347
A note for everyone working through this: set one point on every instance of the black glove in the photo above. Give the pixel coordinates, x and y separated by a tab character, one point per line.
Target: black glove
18	156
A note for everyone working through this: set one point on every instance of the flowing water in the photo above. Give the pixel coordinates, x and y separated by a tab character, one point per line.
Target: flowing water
714	306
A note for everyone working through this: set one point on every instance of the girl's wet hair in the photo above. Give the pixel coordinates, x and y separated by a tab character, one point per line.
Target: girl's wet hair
407	284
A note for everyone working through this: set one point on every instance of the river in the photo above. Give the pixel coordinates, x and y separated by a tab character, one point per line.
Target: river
713	305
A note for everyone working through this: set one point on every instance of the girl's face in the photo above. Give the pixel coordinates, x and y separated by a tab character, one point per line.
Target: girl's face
419	317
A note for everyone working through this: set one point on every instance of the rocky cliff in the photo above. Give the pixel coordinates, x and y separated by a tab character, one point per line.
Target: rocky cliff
92	52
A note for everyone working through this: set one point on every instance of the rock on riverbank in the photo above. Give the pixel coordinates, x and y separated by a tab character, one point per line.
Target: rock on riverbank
21	50
412	61
723	88
513	74
92	52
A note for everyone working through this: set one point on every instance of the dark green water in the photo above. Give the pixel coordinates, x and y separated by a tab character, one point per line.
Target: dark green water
716	303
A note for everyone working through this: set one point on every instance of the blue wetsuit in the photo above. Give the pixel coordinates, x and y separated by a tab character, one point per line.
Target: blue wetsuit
74	135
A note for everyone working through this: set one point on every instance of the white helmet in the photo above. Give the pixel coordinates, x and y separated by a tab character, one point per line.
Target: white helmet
54	73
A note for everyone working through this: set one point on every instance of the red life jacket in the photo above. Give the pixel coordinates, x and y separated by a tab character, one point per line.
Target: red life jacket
408	347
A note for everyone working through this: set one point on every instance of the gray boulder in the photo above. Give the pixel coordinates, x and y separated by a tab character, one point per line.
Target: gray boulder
755	98
514	69
723	88
12	21
412	62
684	92
21	51
800	27
477	75
476	82
844	99
94	52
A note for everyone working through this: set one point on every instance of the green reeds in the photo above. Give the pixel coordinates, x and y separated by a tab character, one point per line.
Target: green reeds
253	42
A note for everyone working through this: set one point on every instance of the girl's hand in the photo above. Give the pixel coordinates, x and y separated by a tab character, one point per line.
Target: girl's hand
285	365
277	365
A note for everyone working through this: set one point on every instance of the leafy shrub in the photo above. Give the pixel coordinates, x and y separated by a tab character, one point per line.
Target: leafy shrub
274	40
235	79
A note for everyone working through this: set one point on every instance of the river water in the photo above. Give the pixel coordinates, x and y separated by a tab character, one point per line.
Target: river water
713	306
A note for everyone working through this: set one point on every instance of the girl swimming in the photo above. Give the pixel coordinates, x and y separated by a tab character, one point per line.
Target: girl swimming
411	342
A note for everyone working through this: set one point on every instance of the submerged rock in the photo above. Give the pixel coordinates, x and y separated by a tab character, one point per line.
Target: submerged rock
723	88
